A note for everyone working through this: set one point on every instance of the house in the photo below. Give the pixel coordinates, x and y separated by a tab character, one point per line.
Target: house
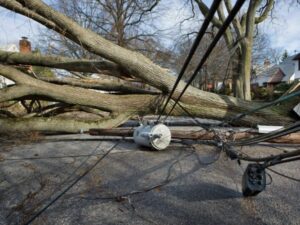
24	47
296	75
270	75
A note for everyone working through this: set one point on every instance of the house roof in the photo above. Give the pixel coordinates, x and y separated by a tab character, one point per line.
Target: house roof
277	76
288	67
260	80
270	71
297	56
270	74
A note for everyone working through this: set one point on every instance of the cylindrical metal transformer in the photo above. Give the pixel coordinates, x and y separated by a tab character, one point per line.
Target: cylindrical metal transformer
155	136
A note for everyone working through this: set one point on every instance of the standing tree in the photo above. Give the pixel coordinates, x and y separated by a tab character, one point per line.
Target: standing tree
114	107
241	31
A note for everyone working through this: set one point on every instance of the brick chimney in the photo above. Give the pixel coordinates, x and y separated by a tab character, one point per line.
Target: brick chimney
267	63
24	45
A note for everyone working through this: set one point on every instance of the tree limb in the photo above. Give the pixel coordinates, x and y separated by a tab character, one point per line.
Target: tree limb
236	23
105	85
265	13
204	10
71	95
15	92
58	62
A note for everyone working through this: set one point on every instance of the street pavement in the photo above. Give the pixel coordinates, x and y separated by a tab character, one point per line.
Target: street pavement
135	185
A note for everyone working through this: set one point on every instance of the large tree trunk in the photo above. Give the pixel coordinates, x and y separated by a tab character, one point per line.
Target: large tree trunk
247	43
238	77
123	61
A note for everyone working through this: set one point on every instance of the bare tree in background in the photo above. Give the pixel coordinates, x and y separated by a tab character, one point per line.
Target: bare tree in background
125	22
215	69
262	50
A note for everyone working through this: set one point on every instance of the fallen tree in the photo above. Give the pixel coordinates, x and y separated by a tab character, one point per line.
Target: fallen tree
129	100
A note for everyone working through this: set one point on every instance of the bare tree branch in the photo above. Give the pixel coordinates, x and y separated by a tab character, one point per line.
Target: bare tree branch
105	85
82	65
265	12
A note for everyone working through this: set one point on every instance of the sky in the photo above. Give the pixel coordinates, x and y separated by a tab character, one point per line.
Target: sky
283	29
14	26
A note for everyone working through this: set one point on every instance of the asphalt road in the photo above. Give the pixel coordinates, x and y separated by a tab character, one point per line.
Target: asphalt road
132	185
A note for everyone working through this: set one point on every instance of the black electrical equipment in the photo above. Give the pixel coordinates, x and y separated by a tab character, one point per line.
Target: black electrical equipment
254	180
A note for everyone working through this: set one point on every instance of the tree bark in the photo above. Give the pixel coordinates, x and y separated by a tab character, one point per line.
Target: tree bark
44	124
247	44
98	84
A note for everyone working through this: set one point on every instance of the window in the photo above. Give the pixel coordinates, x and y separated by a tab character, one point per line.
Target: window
298	64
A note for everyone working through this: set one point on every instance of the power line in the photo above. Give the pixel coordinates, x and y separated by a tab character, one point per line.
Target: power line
221	31
195	45
265	137
283	175
277	101
269	160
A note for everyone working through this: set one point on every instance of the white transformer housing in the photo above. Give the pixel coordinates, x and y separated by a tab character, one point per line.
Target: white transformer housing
154	136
